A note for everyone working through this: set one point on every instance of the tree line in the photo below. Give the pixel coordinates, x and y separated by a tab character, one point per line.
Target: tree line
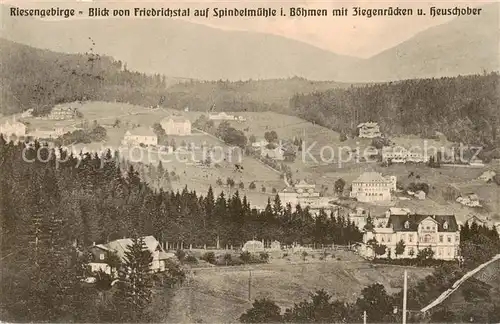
50	210
464	108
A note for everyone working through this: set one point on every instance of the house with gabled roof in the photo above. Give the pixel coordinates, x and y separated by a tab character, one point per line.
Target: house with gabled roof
440	233
119	247
140	135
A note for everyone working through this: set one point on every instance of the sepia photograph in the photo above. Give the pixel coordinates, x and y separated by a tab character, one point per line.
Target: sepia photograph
249	161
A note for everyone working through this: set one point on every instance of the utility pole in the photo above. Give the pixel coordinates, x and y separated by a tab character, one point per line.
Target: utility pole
249	285
405	288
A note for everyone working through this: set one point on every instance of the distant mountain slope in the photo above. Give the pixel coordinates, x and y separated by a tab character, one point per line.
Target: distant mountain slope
179	48
39	79
465	45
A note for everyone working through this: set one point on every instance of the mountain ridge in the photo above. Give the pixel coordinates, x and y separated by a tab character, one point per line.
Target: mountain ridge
465	45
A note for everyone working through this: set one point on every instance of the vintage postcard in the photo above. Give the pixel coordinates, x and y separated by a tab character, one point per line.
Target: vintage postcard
249	161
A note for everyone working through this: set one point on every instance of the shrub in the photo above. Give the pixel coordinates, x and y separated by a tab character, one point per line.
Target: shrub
180	254
191	259
209	257
264	257
245	257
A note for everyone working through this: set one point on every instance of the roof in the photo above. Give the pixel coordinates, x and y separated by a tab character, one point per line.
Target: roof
371	177
179	119
142	131
399	211
121	246
397	222
368	124
475	218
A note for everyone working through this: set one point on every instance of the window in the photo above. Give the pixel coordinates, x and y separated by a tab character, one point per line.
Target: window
101	256
427	238
449	238
407	224
445	225
440	238
410	238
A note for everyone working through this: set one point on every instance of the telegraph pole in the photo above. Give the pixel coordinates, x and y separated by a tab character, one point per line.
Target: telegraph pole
405	288
249	285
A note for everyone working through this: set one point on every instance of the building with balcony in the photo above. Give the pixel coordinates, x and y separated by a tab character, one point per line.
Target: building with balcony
440	233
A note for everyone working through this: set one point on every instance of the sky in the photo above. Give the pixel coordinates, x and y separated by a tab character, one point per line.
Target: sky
353	36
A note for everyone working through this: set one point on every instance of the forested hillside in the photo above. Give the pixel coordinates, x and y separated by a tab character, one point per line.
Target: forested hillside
464	108
46	207
39	79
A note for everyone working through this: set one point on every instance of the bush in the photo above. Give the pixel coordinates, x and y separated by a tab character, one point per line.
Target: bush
245	257
191	259
209	257
180	254
264	257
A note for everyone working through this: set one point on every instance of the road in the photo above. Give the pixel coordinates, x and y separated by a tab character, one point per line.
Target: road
458	283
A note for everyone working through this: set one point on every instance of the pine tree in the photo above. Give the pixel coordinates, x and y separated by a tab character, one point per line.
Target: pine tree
134	285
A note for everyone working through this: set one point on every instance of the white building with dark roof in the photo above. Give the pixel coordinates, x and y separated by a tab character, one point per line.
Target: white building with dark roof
176	125
373	187
440	233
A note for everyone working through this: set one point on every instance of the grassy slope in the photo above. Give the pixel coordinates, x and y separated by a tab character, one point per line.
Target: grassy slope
490	276
218	296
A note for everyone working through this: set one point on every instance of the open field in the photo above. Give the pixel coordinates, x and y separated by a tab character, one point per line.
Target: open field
221	294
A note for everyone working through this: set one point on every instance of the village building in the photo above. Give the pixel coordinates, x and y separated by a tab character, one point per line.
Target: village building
475	219
476	163
176	125
260	144
302	193
373	187
253	246
99	255
119	247
140	135
62	113
15	128
469	200
399	154
220	116
440	233
369	130
487	176
276	153
359	217
46	133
